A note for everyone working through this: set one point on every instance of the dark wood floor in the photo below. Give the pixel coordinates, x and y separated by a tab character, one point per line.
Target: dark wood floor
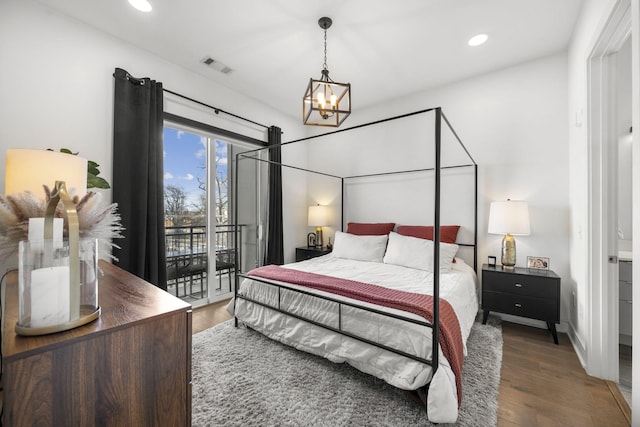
542	384
209	315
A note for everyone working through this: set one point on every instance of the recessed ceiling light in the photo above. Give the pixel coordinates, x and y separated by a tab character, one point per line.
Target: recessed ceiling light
478	39
141	5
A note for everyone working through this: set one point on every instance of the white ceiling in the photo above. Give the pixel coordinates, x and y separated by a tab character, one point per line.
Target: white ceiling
384	48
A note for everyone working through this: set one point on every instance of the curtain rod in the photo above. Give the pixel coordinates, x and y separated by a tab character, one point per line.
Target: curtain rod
215	109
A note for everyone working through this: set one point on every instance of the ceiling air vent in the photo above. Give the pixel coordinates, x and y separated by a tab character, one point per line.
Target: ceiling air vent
216	65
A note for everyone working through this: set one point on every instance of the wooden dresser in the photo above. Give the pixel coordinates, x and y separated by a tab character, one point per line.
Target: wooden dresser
130	367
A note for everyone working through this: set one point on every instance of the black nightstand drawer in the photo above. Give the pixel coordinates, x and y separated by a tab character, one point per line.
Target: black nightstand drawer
306	253
525	306
520	285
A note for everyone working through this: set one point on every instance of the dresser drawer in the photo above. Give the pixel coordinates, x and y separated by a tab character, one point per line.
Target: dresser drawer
515	284
625	291
519	305
625	271
626	315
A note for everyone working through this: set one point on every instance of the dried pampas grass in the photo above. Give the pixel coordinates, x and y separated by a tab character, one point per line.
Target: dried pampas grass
95	221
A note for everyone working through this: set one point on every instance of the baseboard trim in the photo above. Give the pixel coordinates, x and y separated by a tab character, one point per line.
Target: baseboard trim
578	346
620	400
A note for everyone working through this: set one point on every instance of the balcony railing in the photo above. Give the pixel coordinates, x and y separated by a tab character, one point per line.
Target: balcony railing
187	255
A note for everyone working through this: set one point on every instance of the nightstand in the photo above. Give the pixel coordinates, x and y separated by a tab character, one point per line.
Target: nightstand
522	292
308	252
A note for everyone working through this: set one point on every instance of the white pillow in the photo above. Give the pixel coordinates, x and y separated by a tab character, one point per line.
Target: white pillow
359	248
413	252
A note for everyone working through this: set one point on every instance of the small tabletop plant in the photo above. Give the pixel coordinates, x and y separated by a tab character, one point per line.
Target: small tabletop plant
93	180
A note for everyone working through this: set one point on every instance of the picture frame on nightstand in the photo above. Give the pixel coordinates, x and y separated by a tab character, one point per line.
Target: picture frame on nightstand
538	263
491	261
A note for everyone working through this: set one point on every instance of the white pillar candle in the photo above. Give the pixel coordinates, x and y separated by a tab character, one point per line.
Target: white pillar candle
36	233
49	296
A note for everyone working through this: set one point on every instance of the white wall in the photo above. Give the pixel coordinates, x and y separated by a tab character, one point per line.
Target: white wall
514	123
57	87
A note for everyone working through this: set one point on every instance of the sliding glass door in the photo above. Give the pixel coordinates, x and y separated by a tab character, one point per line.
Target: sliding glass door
199	235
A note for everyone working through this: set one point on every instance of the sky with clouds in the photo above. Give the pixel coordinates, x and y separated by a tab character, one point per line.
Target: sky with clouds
185	160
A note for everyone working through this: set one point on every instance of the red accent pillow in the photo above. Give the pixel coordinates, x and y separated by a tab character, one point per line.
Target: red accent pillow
370	229
448	233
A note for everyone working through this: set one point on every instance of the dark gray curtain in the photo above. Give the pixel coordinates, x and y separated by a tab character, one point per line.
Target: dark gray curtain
275	242
138	185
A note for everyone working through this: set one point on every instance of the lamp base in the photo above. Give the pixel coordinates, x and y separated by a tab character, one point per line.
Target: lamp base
508	252
319	242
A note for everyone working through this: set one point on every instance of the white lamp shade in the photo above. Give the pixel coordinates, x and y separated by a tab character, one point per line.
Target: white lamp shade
318	216
29	170
509	217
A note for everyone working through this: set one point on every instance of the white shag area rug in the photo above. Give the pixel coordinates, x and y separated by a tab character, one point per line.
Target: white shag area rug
242	378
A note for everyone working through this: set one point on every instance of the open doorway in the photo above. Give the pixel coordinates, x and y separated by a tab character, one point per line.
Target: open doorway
624	220
199	236
609	85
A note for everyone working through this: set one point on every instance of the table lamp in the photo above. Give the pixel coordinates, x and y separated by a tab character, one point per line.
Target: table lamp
317	218
57	288
510	217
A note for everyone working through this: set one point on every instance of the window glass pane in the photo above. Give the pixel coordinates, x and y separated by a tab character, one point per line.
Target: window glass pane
185	184
185	177
193	161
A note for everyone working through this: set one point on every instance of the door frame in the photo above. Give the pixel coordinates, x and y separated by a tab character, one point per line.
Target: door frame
635	114
602	300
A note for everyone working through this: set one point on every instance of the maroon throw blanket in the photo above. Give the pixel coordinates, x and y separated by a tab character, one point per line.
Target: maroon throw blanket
450	337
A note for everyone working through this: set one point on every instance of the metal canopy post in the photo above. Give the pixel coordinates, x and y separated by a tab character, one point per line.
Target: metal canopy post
436	247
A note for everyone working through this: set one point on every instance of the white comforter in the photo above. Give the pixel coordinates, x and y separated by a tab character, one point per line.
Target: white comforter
458	287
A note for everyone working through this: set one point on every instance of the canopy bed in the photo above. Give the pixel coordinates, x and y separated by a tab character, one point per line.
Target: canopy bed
388	301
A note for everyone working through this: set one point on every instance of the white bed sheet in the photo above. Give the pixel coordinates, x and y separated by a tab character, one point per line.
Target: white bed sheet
458	287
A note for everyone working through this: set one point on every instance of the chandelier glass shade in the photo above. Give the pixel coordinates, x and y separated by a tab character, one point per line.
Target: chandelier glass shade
325	102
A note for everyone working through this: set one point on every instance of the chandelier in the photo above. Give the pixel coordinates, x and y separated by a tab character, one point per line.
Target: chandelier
326	103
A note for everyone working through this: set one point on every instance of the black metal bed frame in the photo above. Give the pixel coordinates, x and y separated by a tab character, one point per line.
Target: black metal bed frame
435	324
